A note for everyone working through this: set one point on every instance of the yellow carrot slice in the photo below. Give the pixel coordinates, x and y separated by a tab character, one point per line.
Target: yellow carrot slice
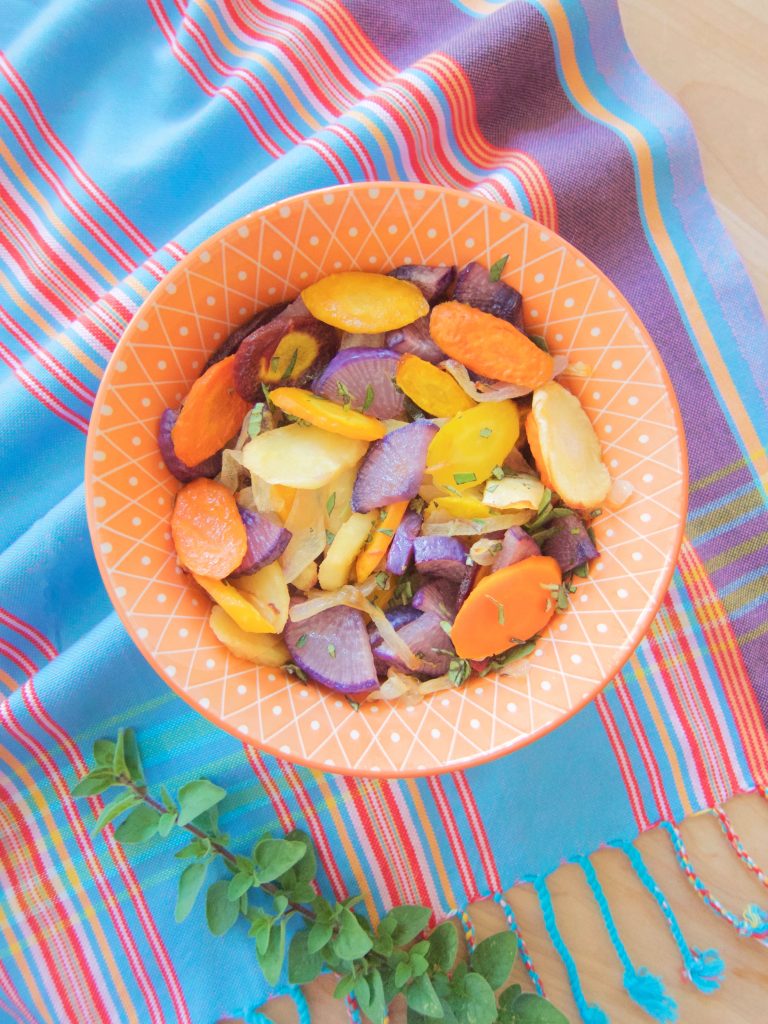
431	388
336	419
365	303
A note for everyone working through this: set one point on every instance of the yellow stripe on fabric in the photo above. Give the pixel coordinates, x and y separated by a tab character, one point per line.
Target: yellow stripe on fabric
747	547
647	194
349	849
75	885
18	951
84	251
753	634
434	846
58	336
718	474
9	681
137	286
666	740
376	132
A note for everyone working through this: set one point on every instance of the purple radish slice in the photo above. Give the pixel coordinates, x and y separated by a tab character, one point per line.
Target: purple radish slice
475	288
433	282
401	549
393	467
516	546
440	556
233	341
427	639
571	545
437	596
210	467
399	617
466	584
333	648
267	540
365	379
314	343
415	340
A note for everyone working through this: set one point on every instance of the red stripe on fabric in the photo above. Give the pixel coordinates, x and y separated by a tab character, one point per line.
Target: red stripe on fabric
369	819
479	833
53	913
175	250
27	630
411	873
51	364
316	829
347	31
647	756
93	190
625	767
19	659
232	97
454	837
87	221
284	816
25	1017
324	151
354	143
41	393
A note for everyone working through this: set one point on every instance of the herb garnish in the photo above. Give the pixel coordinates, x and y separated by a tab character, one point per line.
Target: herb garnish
369	397
497	268
343	390
486	432
497	472
255	419
332	650
464	478
330	503
302	640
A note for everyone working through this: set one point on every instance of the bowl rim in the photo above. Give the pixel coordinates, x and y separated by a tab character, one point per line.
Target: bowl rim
636	635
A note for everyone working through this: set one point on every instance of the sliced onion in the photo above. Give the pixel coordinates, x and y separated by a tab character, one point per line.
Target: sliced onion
475	527
426	638
620	493
231	466
577	369
307	524
484	551
495	391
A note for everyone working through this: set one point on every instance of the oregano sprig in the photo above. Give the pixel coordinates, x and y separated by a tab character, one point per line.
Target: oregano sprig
274	884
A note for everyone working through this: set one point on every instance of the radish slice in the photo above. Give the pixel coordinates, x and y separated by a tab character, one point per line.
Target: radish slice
466	584
427	639
415	340
333	649
233	341
364	378
515	546
301	344
210	467
266	541
475	288
440	556
393	467
438	596
433	282
401	549
397	617
571	545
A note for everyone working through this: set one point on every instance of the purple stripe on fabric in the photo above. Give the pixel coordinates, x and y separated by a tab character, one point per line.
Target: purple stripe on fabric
394	28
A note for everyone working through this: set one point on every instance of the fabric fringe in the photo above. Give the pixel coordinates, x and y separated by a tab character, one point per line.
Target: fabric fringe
704	969
646	989
522	947
589	1013
753	923
734	839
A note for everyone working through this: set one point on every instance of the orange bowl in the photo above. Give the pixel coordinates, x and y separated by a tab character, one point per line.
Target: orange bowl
270	255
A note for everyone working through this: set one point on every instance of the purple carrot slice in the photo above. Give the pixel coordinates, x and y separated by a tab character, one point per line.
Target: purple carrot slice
433	282
233	341
252	362
400	551
427	639
515	546
394	467
364	379
415	340
209	467
571	545
440	556
475	288
267	540
333	648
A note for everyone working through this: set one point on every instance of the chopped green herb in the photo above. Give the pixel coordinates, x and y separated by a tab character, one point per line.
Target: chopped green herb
331	503
499	608
554	587
546	498
354	704
497	268
539	342
452	490
562	513
369	397
403	591
591	535
582	570
464	478
562	598
274	362
382	580
255	419
486	432
302	640
267	399
497	472
459	671
595	513
417	504
446	626
344	394
332	650
516	653
294	670
541	535
387	532
570	587
495	547
286	375
329	537
491	488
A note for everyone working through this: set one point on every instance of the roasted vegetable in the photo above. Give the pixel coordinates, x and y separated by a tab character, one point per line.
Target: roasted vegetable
432	282
288	349
333	648
210	467
233	341
302	457
363	379
393	468
364	303
474	287
266	541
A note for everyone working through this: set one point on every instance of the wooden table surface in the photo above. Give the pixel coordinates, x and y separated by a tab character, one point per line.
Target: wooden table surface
712	56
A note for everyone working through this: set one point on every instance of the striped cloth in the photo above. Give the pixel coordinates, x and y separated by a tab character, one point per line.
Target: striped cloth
129	133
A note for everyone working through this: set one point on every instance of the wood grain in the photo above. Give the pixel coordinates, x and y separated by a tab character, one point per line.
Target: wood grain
710	55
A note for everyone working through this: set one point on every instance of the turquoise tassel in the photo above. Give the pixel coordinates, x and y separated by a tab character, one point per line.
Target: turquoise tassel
707	970
646	989
755	923
589	1014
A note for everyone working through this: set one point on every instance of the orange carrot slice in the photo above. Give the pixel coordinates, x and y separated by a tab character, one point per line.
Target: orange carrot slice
212	413
489	345
207	530
431	388
336	419
380	540
508	606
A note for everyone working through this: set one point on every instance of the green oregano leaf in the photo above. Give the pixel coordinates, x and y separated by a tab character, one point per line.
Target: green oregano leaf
330	503
508	996
471	999
119	767
464	478
286	375
195	848
421	996
443	946
220	913
494	957
344	986
303	965
104	753
497	268
352	940
305	868
273	857
111	810
318	935
166	823
409	921
168	802
539	341
140	825
271	960
371	999
238	884
582	570
256	419
94	782
132	756
532	1009
369	397
190	883
197	797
